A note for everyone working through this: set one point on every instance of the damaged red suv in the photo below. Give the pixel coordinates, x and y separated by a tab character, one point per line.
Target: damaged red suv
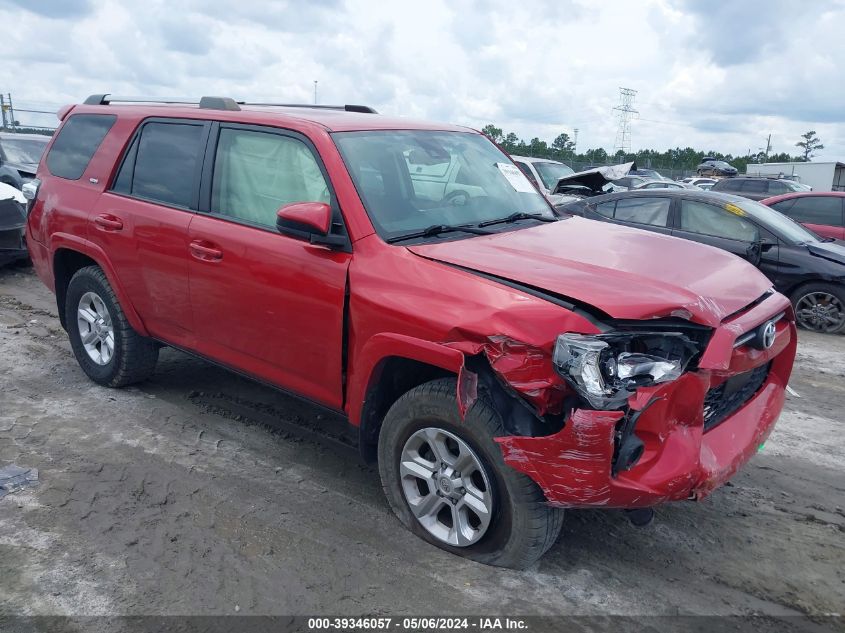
499	363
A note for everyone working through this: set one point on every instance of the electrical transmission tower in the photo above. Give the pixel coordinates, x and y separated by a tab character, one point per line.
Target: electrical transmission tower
625	111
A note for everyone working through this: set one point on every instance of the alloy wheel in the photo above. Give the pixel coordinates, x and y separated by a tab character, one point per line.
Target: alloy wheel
820	311
446	486
95	328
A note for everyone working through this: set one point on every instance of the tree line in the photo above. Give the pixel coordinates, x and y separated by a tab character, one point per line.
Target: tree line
563	149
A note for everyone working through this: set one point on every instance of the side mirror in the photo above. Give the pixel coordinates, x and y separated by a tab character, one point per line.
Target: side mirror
309	221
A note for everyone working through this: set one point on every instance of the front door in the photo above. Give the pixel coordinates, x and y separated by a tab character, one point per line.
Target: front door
263	303
725	227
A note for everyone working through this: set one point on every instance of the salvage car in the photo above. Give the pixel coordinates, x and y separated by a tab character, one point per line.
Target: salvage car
823	212
19	157
807	268
544	173
713	167
498	362
12	225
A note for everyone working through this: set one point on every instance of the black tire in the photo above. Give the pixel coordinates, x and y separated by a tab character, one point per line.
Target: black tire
522	527
134	358
820	288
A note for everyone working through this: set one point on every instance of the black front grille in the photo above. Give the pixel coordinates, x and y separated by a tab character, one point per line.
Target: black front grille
721	402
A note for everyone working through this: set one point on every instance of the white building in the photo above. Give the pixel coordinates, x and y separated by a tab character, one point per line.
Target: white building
820	176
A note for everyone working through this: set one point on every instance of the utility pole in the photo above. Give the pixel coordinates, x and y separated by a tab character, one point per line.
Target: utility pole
315	92
626	112
3	110
13	120
768	146
575	141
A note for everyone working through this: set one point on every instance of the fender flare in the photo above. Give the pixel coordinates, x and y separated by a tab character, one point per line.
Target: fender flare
368	361
80	245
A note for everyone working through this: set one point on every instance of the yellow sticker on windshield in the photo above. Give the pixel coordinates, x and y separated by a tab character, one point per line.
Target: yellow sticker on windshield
732	208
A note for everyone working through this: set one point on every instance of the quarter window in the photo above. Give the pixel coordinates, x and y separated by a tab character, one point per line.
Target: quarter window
76	144
256	173
706	219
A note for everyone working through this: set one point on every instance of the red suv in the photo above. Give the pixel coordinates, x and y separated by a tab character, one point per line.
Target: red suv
499	363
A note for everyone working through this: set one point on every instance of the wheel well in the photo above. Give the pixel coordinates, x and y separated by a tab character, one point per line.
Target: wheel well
392	377
65	264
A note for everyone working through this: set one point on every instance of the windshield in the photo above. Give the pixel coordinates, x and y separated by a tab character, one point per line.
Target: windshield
410	180
776	221
550	173
19	150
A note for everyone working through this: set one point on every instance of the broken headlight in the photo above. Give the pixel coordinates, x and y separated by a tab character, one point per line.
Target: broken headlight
607	368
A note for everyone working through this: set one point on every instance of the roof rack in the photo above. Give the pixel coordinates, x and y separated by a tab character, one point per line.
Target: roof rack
347	108
218	103
206	103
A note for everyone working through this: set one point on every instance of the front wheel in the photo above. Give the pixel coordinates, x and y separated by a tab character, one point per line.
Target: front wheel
446	480
820	307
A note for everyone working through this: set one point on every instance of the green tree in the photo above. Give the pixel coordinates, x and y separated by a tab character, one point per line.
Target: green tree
493	133
810	144
562	145
511	142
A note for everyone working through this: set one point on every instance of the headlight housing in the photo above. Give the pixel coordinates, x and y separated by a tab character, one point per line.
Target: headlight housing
605	369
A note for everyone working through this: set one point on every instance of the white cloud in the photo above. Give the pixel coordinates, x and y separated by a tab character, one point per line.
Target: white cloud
721	78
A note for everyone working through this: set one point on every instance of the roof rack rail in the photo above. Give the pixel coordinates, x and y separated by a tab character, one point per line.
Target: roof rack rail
205	103
348	108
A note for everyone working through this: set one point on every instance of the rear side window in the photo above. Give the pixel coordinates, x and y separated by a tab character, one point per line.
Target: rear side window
653	211
161	163
815	210
76	144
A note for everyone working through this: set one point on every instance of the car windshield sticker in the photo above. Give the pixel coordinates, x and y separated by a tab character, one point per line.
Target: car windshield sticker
516	178
732	208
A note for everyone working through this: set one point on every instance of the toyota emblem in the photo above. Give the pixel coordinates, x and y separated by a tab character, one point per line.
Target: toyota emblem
767	335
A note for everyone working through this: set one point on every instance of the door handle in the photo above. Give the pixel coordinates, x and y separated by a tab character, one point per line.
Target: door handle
201	250
108	222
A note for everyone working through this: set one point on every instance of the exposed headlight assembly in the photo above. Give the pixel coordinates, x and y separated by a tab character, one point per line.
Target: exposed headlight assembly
605	369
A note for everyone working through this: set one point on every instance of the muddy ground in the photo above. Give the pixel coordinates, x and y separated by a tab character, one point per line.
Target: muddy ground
196	493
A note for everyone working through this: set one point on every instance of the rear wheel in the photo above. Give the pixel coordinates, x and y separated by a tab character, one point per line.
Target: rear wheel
820	307
106	347
446	480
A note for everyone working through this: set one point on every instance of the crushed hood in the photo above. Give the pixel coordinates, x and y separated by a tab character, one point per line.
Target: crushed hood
833	251
626	273
595	178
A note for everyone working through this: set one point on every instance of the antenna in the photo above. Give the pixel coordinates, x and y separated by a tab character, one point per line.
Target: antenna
626	112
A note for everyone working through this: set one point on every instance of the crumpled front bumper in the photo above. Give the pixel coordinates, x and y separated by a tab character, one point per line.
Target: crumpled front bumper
681	459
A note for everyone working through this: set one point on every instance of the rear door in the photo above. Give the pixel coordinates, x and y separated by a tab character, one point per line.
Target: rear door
722	226
649	213
142	222
263	303
820	214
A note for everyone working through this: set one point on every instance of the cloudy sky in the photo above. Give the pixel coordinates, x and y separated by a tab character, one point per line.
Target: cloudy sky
712	75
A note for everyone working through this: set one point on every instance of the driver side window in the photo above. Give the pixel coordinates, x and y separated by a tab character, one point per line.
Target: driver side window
706	219
256	173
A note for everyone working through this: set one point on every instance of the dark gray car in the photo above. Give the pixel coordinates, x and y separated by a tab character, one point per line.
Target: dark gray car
713	167
807	268
19	157
755	188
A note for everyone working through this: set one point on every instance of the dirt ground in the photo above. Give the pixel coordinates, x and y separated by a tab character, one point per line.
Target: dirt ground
200	492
